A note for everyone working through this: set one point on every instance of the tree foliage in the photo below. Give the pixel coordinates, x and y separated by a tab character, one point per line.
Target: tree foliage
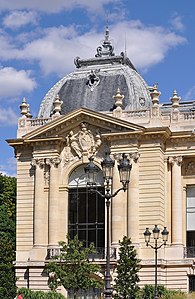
72	268
8	194
126	282
7	236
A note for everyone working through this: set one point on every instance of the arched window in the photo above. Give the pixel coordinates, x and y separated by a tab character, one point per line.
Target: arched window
86	210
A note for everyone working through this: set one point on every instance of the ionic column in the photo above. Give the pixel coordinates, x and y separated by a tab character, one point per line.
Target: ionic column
40	225
177	206
119	209
53	202
133	201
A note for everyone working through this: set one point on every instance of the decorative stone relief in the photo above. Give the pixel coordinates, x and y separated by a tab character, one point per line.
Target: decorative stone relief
190	168
175	159
142	101
46	174
84	142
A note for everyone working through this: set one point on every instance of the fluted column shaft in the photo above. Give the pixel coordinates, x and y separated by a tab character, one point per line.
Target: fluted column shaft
177	207
133	201
40	224
53	202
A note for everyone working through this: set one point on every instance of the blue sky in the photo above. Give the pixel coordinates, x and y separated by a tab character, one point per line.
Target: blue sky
39	40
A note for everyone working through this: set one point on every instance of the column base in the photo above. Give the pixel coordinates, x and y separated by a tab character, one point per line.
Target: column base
38	253
175	251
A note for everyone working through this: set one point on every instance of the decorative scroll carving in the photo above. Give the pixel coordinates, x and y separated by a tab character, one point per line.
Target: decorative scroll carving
134	156
175	159
84	142
53	161
77	62
38	162
190	168
131	156
93	80
45	164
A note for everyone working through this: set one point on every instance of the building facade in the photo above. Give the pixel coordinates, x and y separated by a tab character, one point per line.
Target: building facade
105	105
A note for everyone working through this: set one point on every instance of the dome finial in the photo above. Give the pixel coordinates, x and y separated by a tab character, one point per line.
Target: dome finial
106	49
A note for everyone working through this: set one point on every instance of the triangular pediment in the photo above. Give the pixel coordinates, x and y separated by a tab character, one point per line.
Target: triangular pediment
63	124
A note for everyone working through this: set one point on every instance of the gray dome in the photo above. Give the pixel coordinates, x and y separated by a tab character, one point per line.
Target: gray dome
95	81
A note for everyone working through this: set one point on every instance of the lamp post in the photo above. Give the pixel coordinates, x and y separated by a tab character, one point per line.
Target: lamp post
156	232
91	170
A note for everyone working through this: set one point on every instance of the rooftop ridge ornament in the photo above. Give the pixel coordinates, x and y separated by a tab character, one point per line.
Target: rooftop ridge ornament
106	49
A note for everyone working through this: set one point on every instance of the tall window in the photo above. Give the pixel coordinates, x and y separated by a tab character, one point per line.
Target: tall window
191	217
191	283
86	211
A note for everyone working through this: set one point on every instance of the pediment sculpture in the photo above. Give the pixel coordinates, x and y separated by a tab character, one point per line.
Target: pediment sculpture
84	142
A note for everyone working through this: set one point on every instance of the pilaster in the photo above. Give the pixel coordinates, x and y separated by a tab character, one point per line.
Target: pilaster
53	201
133	201
177	206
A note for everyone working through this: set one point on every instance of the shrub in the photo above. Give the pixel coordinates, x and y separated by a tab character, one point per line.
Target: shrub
29	294
148	293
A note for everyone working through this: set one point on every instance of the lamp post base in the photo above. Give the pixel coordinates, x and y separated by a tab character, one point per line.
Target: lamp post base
108	294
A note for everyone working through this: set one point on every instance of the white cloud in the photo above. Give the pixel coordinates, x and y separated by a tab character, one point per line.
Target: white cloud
17	19
55	51
146	45
177	23
14	82
53	6
55	48
8	117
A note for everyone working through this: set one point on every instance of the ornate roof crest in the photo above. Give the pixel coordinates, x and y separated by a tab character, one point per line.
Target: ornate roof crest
106	49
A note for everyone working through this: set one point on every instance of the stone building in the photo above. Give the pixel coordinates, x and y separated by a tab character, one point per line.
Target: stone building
106	105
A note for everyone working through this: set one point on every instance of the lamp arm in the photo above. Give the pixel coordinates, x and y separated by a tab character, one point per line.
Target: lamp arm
156	247
107	195
153	247
117	191
98	192
161	245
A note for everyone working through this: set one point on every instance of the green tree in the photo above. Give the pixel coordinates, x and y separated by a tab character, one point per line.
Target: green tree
72	268
7	236
8	194
126	282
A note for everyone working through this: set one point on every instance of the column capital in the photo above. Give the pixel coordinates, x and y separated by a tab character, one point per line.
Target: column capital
175	160
133	156
55	161
38	162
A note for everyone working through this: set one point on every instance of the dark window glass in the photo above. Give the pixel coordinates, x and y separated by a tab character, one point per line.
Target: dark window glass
191	239
191	283
87	216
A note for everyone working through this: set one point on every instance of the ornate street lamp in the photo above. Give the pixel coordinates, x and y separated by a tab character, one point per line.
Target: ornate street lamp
91	170
156	233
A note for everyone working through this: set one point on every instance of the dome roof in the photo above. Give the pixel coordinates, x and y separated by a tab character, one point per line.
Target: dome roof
95	81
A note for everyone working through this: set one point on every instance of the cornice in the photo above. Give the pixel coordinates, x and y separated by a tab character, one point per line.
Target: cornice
83	115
